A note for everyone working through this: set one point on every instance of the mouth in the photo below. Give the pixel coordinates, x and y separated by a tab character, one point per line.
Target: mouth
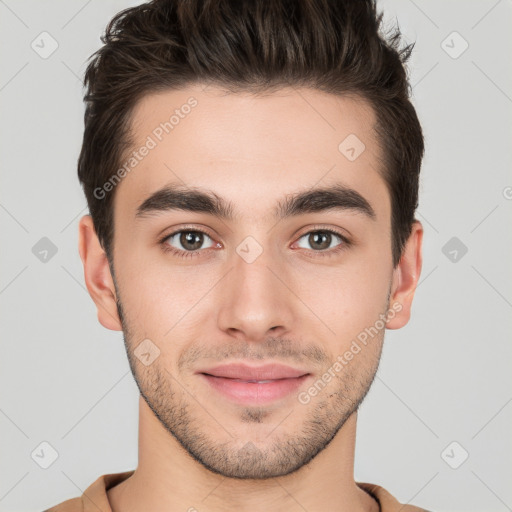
245	384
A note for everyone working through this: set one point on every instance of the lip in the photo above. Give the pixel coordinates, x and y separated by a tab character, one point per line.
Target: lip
240	371
239	382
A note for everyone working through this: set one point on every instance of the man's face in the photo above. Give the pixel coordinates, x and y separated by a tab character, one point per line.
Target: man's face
257	288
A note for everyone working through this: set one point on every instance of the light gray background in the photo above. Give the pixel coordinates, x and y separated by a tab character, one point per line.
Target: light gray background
444	377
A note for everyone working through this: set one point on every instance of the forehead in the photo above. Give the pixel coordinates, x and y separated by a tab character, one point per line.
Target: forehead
250	149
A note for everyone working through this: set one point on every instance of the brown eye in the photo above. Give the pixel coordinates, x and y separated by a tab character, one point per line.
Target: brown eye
187	240
191	240
321	240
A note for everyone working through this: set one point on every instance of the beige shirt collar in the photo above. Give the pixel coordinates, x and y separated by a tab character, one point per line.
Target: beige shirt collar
95	499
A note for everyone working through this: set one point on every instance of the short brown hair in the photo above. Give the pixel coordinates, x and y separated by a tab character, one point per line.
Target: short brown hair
335	46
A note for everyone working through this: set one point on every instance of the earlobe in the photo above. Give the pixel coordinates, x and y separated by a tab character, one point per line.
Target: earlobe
98	278
405	279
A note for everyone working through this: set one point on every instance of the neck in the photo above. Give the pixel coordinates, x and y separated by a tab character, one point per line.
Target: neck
168	478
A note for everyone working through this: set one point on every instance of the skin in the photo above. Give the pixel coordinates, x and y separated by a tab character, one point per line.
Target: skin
292	305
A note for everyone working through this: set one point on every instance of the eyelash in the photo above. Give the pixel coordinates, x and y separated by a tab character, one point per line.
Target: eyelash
190	254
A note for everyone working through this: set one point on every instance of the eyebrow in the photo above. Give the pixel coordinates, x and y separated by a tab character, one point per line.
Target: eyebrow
192	199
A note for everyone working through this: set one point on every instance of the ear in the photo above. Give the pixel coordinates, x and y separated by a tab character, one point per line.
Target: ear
405	279
98	278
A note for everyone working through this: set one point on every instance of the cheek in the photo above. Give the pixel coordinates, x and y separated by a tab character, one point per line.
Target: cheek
159	300
142	292
347	299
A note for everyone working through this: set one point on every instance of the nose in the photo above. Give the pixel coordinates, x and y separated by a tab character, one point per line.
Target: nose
256	300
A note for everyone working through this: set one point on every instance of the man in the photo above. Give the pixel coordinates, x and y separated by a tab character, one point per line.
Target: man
251	170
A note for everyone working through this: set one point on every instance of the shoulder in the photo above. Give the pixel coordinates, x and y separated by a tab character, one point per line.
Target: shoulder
387	502
95	497
72	505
